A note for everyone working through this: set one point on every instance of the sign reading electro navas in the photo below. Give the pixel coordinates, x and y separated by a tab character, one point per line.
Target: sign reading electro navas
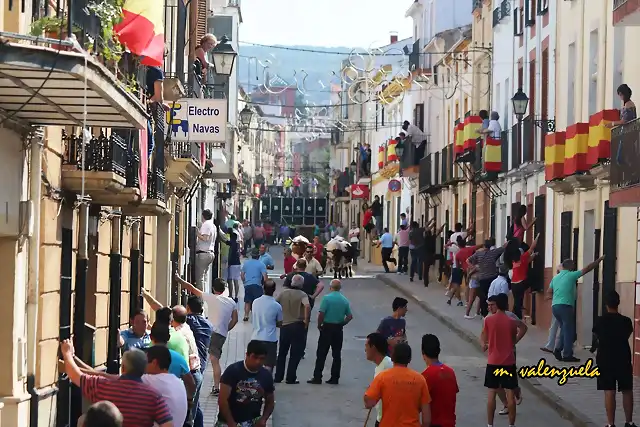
198	120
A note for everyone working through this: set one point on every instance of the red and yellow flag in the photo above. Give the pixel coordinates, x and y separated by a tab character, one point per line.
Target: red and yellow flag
458	139
391	151
554	145
576	147
472	125
381	157
142	30
492	154
600	136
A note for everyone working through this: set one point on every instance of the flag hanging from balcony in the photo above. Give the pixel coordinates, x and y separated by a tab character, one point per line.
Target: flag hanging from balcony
576	147
554	145
142	30
391	151
472	125
492	155
600	136
381	157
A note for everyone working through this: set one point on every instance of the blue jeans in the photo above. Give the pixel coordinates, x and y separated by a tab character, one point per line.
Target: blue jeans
416	263
563	313
195	413
553	340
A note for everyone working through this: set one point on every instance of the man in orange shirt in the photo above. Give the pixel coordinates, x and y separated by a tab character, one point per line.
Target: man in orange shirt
403	391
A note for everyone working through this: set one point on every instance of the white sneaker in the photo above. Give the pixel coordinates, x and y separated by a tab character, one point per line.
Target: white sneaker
504	411
466	316
399	273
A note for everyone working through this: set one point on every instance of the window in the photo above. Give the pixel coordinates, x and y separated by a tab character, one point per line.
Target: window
496	103
518	18
434	73
457	115
571	86
618	55
593	72
520	78
466	105
543	7
418	118
529	13
448	125
507	101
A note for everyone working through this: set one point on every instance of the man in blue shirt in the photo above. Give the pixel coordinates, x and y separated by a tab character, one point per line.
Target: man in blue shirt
563	294
387	243
266	258
266	318
333	316
202	330
254	273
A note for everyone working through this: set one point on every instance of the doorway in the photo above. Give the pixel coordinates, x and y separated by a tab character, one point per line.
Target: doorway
586	290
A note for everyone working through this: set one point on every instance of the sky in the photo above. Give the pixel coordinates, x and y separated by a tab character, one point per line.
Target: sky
330	23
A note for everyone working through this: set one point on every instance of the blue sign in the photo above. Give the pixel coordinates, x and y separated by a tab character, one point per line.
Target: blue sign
395	185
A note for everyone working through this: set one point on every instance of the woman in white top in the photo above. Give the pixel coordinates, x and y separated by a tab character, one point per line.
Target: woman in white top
354	239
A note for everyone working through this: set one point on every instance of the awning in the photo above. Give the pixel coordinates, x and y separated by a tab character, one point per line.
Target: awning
42	86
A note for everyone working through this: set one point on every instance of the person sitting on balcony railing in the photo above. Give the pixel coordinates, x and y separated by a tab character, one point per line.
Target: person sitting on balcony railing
155	84
418	137
493	130
207	42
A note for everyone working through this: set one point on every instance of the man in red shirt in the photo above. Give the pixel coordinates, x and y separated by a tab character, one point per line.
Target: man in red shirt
289	261
499	336
442	383
317	249
460	266
519	282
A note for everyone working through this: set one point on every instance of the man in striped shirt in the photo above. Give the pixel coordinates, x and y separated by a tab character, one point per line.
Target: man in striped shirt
487	271
139	404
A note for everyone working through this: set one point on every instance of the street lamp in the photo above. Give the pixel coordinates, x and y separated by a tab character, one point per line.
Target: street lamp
520	103
223	57
353	166
246	115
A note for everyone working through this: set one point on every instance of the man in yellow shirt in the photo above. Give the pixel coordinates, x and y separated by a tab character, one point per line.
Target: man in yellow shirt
287	186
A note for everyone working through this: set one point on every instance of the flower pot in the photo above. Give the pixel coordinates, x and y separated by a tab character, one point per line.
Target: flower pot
54	34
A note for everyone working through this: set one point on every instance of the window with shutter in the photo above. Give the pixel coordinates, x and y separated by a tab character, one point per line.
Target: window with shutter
201	22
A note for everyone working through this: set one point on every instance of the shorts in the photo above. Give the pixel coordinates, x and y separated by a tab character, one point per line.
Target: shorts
232	272
508	380
473	284
251	423
272	353
456	276
215	347
252	293
620	375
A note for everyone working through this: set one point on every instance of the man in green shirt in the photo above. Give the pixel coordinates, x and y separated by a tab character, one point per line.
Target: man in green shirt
177	341
563	294
334	314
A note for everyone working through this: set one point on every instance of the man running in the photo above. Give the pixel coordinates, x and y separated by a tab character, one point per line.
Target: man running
442	383
254	273
387	244
223	315
403	392
394	328
613	330
375	348
499	336
266	318
485	263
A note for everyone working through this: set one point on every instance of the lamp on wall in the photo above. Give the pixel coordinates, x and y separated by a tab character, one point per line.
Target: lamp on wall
246	115
520	103
223	57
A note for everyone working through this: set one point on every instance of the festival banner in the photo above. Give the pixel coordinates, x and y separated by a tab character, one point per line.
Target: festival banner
142	30
600	136
391	151
492	155
554	147
472	125
576	147
458	139
381	157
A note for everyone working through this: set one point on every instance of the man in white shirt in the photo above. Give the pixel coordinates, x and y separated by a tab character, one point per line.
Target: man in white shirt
313	266
375	349
223	315
279	185
494	130
354	239
266	317
165	384
205	244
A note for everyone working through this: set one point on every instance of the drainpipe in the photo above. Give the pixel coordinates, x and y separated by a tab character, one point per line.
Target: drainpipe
141	278
79	315
115	295
134	270
33	290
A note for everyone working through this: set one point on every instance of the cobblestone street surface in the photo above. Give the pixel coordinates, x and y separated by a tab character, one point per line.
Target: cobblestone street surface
577	400
306	405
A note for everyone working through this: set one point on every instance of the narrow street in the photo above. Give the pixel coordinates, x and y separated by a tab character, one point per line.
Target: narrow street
306	405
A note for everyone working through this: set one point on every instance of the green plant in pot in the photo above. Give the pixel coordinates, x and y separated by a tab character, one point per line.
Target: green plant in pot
51	26
109	13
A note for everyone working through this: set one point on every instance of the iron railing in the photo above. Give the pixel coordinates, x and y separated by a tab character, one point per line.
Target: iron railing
185	150
625	154
516	146
409	157
133	168
478	159
424	178
102	153
156	184
618	4
528	140
504	152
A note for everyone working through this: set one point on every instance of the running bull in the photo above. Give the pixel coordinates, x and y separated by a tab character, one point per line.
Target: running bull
340	255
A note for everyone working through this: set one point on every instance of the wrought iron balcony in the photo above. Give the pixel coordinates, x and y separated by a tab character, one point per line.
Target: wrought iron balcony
183	163
528	140
109	171
156	187
425	181
516	147
625	156
626	13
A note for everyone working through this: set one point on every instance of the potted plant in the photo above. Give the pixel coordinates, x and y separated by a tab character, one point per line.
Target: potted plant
52	27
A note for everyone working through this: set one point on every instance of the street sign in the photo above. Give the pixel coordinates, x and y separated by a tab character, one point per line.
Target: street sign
198	120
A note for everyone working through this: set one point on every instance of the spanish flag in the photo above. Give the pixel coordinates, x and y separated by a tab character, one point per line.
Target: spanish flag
458	139
600	136
554	145
576	147
391	151
142	30
492	158
472	125
381	157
